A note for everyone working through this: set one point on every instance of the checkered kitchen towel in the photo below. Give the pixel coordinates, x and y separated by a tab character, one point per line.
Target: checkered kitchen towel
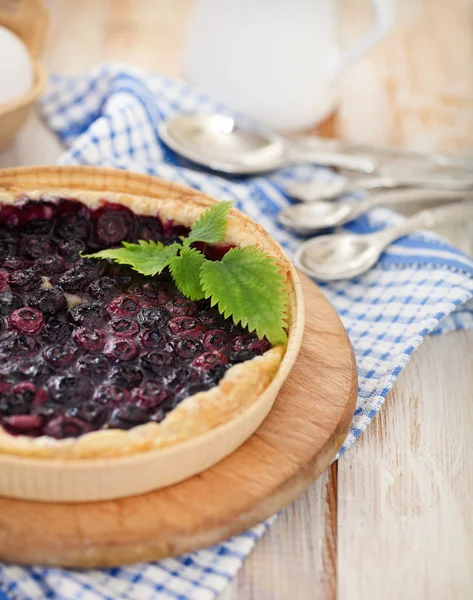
421	285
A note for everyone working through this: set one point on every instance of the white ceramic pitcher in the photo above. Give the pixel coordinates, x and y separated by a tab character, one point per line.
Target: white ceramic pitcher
275	60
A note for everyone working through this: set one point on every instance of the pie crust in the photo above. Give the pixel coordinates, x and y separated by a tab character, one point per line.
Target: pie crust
225	415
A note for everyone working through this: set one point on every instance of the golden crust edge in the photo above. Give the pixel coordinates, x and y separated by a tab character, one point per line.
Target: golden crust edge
241	385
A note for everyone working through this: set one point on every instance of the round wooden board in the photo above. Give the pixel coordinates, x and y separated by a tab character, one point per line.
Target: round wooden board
295	443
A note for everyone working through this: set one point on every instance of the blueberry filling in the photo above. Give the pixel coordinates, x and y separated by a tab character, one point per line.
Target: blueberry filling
35	246
89	339
55	331
102	289
9	302
49	302
88	344
95	366
74	281
24	280
50	265
70	249
28	320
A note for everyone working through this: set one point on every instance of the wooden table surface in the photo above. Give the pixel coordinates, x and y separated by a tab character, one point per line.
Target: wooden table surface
393	518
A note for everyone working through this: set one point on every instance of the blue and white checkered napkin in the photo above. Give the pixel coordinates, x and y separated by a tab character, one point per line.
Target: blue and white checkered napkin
421	285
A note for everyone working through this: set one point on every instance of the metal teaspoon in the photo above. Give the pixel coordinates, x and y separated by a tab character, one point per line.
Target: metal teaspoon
312	217
346	255
222	143
316	191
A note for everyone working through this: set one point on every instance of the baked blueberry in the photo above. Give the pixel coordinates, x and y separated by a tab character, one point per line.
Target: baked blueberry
56	331
35	246
69	388
66	427
26	319
73	226
25	280
153	318
88	315
113	224
123	328
89	338
102	288
9	302
93	365
49	301
50	265
74	280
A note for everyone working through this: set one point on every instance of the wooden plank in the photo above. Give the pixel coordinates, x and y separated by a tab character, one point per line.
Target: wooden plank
405	488
330	537
290	561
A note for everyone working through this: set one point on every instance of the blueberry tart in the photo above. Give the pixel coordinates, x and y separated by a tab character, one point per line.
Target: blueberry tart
114	382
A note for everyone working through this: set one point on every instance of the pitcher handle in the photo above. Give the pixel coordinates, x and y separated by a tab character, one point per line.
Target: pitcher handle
384	12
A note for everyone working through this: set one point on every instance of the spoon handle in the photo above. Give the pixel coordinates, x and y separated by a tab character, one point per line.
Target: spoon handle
421	189
428	219
395	198
380	152
362	164
392	183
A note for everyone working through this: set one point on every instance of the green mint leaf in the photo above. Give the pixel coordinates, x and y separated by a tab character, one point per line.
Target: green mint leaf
211	226
148	258
185	270
246	285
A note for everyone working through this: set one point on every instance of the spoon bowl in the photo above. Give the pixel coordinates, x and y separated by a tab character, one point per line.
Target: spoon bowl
219	142
312	217
315	191
341	256
345	255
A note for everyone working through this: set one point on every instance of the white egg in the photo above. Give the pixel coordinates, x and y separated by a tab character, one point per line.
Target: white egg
16	68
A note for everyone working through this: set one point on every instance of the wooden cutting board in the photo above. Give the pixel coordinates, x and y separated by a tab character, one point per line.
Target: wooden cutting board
295	443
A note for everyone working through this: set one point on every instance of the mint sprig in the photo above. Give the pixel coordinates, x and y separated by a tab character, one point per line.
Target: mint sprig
185	270
245	285
148	258
211	226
